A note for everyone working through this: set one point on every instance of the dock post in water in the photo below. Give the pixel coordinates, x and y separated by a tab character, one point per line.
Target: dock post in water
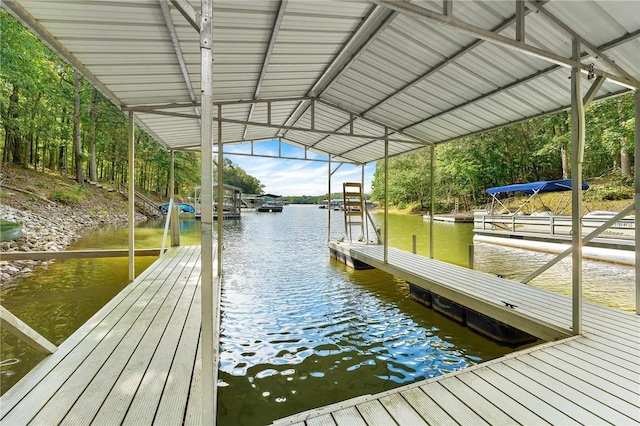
175	226
471	256
414	248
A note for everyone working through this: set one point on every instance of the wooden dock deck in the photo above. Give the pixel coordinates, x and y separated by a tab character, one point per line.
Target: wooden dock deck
136	361
593	378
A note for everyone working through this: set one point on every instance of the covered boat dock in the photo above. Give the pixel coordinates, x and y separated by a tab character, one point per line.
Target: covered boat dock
358	82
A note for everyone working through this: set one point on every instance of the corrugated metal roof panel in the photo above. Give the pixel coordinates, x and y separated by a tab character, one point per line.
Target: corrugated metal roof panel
127	47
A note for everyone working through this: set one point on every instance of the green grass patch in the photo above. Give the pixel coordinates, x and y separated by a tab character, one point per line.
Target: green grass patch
72	195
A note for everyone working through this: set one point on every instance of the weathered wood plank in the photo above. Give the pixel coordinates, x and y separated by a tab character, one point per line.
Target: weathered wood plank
401	410
349	416
122	341
603	379
594	378
531	402
193	416
374	414
56	369
144	405
589	344
427	408
452	405
176	392
476	401
605	370
559	401
128	295
589	386
324	420
115	405
498	398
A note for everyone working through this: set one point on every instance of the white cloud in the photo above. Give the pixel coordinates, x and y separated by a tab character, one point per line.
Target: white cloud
299	177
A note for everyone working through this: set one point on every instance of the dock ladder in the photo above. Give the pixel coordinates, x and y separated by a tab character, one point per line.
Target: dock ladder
353	209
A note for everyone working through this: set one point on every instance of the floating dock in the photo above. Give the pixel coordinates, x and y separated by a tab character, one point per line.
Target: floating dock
136	361
593	378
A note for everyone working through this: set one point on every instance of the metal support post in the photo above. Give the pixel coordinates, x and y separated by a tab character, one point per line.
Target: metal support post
209	350
520	14
220	193
432	202
386	195
577	154
637	195
329	202
365	218
172	181
132	201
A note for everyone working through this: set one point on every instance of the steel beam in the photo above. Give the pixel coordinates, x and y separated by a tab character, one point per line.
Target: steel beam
220	187
369	120
447	7
266	60
209	348
531	117
375	23
386	197
176	46
577	155
593	91
593	49
506	42
329	201
592	235
132	198
466	49
520	28
432	201
636	167
320	131
189	12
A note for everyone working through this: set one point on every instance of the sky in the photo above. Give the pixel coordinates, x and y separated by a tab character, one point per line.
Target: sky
295	177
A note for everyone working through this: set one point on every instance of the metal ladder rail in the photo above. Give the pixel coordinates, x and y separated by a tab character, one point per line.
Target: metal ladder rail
353	209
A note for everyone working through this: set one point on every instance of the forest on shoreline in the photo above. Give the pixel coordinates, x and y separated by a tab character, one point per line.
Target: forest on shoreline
54	121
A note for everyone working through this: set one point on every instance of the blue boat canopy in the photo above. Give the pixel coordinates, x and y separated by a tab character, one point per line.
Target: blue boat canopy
537	187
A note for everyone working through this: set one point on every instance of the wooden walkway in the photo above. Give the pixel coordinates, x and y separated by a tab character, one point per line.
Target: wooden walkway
589	379
134	362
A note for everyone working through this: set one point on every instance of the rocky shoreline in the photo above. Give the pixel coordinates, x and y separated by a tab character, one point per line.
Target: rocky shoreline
50	227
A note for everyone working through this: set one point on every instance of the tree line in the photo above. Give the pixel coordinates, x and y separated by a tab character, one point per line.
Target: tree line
535	150
55	121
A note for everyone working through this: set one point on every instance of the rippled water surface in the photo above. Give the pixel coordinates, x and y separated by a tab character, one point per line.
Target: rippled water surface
301	331
298	329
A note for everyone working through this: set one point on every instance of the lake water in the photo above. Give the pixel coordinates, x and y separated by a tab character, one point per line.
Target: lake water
298	329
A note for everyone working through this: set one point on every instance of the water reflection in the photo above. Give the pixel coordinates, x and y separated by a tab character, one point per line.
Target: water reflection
298	330
301	331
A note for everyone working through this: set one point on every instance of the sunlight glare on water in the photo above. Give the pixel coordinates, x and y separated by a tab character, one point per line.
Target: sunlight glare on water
300	331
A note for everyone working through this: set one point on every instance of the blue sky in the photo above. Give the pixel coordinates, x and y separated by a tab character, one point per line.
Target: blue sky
295	177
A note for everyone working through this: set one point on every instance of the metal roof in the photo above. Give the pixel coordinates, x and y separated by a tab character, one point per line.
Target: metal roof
427	73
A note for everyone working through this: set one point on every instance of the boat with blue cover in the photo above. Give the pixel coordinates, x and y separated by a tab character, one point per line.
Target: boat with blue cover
184	208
